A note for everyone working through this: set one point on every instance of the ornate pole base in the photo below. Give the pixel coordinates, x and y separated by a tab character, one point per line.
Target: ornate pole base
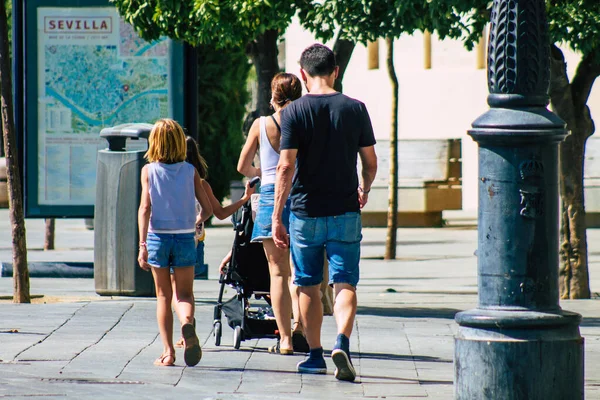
518	355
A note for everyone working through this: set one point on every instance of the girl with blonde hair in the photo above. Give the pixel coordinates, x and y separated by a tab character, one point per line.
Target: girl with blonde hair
167	223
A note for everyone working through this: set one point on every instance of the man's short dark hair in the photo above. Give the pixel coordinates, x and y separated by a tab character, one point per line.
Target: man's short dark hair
318	60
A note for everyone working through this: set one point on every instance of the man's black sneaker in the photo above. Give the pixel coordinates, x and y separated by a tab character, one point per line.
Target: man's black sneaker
344	371
312	365
340	355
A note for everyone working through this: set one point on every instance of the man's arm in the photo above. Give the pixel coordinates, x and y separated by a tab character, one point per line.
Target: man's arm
283	185
368	159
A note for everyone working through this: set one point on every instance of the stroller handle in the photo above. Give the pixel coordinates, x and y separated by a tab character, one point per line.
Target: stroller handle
254	181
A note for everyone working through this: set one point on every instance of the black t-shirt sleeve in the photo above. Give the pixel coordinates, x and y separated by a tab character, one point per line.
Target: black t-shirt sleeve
289	135
367	137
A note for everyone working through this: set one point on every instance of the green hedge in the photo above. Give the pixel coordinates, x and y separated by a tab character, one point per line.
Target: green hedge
222	98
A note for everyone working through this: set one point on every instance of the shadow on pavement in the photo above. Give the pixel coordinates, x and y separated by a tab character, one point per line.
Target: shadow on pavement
590	322
408	312
400	279
407	242
327	353
362	378
400	357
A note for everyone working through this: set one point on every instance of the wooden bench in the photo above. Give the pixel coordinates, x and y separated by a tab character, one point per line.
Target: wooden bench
429	182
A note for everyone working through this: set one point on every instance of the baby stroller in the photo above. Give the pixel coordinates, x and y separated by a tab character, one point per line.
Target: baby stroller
248	274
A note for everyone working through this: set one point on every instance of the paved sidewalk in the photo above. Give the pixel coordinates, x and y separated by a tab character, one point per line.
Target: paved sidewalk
83	346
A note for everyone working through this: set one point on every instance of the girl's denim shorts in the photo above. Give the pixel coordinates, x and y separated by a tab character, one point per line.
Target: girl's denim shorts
171	250
262	221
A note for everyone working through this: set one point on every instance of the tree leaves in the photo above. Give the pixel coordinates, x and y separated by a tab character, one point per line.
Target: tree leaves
575	23
222	97
218	23
226	23
367	20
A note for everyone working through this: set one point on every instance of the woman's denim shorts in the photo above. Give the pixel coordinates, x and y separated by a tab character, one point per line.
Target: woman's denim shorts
263	219
171	249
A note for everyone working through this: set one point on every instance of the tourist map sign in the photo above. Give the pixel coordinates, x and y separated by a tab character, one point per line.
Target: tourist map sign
91	71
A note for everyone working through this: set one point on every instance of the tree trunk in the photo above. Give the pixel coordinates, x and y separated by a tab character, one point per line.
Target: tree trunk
342	48
49	234
569	101
1	146
263	53
392	215
19	245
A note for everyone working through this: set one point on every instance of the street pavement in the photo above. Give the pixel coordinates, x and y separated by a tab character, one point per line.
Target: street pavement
73	343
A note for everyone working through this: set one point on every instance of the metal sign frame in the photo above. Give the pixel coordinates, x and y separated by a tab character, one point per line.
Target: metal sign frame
26	77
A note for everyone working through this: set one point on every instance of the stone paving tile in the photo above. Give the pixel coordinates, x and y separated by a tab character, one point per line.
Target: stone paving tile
84	328
394	389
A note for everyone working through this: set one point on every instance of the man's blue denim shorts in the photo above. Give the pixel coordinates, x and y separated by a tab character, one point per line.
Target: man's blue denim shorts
337	237
171	250
263	219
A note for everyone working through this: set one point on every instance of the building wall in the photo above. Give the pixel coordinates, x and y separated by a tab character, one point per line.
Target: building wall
440	102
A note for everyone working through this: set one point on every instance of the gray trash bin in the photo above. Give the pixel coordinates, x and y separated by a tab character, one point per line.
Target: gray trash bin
118	190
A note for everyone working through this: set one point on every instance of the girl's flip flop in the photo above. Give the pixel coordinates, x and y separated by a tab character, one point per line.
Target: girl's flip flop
192	353
180	343
163	360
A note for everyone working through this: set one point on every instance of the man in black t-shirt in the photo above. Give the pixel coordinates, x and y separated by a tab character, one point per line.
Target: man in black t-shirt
321	135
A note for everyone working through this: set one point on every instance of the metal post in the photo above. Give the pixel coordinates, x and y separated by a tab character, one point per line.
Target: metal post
518	344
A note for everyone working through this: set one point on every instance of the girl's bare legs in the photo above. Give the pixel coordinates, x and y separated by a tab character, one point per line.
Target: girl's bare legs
184	287
183	278
280	271
180	342
164	314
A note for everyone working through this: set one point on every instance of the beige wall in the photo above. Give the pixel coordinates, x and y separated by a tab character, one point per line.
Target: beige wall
438	103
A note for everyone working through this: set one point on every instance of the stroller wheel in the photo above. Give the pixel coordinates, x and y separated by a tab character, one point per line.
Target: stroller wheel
218	333
237	337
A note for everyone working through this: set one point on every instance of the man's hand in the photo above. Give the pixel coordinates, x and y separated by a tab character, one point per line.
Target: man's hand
363	197
143	258
280	234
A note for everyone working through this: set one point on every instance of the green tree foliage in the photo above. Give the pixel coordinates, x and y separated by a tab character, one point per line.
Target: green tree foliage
222	96
575	23
368	20
207	22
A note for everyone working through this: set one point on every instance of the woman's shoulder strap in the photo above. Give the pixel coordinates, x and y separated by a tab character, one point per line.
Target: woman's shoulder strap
276	123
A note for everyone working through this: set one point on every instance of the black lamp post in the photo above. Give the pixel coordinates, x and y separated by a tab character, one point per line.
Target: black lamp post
518	343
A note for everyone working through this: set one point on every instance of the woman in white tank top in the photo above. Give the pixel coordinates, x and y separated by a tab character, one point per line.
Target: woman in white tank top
264	137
